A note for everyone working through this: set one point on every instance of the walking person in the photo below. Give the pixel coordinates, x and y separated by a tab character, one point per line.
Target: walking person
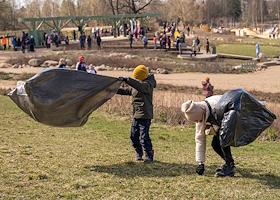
141	89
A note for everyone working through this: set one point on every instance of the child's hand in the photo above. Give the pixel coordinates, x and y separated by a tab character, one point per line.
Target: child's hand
123	79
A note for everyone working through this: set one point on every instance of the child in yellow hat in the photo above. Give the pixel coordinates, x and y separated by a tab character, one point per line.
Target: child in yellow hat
141	89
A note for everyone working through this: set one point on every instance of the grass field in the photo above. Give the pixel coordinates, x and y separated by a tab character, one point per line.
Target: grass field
248	49
96	162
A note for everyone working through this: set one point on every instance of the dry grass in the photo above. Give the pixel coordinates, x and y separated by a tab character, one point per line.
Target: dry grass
167	106
96	162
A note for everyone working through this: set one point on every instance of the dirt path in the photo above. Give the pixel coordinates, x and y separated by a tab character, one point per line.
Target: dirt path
265	81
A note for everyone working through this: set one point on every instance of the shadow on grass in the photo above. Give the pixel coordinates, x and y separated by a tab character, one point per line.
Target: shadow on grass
271	180
155	169
162	169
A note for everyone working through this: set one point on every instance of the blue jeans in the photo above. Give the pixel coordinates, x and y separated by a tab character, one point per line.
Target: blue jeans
140	137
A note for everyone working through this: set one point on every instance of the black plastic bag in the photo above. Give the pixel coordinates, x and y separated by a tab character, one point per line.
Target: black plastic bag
242	118
64	98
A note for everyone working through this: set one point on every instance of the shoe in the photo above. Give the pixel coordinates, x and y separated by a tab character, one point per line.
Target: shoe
221	168
139	157
226	170
149	156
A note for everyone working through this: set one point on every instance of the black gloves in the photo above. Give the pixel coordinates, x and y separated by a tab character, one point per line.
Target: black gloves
200	169
123	79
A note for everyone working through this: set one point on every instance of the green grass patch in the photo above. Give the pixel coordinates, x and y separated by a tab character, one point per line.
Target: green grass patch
248	49
96	161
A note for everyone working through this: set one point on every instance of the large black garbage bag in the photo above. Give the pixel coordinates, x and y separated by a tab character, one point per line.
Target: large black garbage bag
64	98
241	117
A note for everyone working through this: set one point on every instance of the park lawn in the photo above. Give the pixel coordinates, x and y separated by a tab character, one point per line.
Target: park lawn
247	49
96	162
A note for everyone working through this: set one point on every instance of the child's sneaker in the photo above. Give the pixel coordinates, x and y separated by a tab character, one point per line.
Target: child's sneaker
149	156
139	157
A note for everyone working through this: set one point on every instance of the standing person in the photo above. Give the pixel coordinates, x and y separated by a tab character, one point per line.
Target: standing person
82	40
74	35
141	89
197	41
66	40
18	42
130	40
49	41
155	42
188	30
81	65
98	41
207	88
194	48
168	41
14	42
258	50
207	46
4	42
32	44
89	42
145	41
56	39
23	42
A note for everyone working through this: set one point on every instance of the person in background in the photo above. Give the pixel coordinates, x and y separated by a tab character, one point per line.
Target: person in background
145	41
207	88
32	44
49	41
66	40
23	41
89	42
81	65
98	41
14	42
194	48
258	50
141	89
168	42
131	40
155	41
92	69
82	40
4	42
62	63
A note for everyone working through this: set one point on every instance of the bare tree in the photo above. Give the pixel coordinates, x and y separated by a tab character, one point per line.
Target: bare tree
128	6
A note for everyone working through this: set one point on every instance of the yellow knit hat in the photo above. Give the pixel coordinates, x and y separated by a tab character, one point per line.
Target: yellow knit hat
141	72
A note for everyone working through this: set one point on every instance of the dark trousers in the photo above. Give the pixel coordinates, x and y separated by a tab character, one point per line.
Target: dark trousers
223	152
140	137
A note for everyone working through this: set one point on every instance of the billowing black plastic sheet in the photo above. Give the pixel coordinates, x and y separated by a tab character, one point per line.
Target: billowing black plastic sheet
64	98
242	118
